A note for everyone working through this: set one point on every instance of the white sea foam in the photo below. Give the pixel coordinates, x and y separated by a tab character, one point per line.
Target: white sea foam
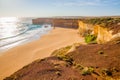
16	33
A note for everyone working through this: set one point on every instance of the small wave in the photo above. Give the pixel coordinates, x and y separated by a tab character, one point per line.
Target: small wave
12	42
33	32
21	31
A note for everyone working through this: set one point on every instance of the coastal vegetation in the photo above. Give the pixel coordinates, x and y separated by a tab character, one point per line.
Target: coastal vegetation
61	51
101	30
105	22
90	39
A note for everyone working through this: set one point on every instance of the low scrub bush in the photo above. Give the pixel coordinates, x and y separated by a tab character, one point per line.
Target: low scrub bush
87	71
61	51
90	39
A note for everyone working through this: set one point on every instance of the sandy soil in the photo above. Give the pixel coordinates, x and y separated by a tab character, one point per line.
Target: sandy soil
17	57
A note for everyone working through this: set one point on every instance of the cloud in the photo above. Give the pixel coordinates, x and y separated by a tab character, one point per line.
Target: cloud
87	3
81	4
78	3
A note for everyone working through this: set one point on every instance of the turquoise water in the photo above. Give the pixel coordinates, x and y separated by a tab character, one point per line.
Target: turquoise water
16	31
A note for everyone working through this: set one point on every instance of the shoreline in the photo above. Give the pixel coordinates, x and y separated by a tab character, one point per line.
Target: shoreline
31	34
15	58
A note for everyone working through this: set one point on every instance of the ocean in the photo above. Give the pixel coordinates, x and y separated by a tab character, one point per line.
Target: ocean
16	31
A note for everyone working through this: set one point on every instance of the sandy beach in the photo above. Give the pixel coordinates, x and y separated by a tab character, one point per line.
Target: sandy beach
15	58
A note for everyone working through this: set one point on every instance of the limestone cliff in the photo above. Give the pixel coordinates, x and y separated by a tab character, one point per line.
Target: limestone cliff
57	22
84	28
103	34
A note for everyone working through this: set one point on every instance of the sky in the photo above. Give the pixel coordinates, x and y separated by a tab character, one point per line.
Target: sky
50	8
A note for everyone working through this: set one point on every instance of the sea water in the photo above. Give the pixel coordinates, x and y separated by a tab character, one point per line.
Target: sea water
16	31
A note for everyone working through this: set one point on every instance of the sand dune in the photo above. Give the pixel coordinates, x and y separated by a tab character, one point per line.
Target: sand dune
17	57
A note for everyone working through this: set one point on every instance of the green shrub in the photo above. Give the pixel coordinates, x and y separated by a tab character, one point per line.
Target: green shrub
78	66
61	51
87	71
66	58
107	72
90	39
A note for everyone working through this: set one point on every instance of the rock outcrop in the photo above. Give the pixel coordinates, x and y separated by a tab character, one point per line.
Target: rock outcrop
104	34
42	21
84	28
57	22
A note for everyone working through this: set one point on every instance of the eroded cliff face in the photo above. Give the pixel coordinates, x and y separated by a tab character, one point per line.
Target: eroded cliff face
103	34
57	22
84	28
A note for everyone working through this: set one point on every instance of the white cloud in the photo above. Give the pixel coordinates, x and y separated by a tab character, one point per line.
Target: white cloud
79	3
87	3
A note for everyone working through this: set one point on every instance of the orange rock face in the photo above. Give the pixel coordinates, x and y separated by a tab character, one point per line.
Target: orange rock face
103	34
69	23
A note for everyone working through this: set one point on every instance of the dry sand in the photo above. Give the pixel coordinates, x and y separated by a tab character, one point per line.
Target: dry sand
15	58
